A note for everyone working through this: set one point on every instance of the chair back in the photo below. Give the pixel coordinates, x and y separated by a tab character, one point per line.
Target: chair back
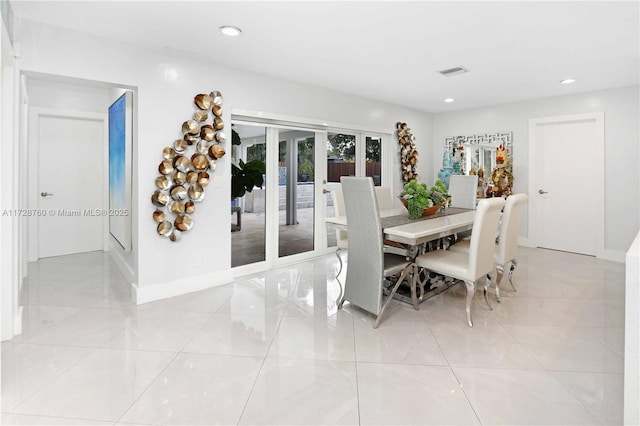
338	209
384	198
464	191
482	246
365	269
509	229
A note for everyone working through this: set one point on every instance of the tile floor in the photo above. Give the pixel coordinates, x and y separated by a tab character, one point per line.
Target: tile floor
271	349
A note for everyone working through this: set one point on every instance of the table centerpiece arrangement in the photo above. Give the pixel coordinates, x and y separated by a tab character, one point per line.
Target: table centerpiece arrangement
423	201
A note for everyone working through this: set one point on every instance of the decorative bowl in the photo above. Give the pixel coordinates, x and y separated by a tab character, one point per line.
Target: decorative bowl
428	211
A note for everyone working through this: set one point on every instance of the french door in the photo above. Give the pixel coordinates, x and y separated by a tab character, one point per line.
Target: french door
284	221
350	153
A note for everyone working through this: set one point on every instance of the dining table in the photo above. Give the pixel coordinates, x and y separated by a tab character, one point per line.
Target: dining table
397	227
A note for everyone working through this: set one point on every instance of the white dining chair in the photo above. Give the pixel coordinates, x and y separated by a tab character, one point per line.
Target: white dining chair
369	267
341	236
384	198
385	202
478	262
507	246
464	191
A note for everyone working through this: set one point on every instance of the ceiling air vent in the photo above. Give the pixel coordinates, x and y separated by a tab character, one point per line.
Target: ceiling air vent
454	71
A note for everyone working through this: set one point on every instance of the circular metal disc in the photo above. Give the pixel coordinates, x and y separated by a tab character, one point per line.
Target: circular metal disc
164	228
163	182
166	167
217	97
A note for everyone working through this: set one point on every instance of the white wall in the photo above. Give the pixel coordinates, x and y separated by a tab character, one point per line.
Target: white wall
622	148
166	83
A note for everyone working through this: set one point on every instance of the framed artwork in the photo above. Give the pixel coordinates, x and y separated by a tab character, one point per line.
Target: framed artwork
120	140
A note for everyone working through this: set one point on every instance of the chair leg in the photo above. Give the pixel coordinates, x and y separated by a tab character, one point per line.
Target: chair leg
404	273
487	284
514	264
339	260
471	289
499	274
414	285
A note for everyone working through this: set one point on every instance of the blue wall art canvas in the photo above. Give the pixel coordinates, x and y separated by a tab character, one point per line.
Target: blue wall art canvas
120	139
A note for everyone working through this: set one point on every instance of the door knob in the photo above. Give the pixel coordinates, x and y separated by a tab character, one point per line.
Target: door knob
45	194
540	191
325	191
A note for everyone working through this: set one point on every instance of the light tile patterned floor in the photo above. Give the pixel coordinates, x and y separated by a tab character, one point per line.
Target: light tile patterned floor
273	349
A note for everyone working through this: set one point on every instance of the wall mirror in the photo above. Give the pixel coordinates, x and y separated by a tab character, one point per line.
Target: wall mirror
490	156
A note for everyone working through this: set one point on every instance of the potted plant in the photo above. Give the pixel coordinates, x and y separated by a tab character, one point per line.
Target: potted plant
245	176
306	171
422	201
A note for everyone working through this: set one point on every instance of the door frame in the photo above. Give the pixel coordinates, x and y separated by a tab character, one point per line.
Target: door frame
35	114
599	172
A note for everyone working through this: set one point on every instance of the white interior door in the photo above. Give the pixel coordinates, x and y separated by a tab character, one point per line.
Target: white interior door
70	185
568	189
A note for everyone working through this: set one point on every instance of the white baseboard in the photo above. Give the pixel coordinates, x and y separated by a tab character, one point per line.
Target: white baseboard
178	287
614	256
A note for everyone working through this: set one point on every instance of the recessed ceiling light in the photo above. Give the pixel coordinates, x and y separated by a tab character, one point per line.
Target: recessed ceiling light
448	100
568	81
230	31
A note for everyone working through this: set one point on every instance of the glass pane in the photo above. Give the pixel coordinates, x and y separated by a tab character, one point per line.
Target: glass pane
341	161
248	219
296	189
373	152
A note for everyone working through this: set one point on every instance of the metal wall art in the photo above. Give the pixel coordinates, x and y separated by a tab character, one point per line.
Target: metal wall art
408	152
186	166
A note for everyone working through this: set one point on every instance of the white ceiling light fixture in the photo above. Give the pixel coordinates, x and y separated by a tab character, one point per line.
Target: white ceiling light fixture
568	81
230	31
448	100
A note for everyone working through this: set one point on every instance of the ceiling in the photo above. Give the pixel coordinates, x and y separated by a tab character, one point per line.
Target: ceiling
386	50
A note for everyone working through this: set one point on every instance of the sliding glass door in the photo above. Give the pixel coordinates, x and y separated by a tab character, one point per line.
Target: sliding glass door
280	222
352	154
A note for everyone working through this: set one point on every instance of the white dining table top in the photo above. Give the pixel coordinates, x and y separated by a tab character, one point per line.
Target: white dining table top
419	231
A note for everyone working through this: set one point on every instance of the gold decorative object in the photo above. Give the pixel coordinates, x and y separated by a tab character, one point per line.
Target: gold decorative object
200	162
179	177
203	179
159	199
181	163
207	132
220	137
216	151
200	115
159	216
203	101
178	192
185	170
408	152
169	153
180	145
164	228
166	167
196	193
190	139
163	182
183	222
191	127
202	147
217	97
177	207
192	177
